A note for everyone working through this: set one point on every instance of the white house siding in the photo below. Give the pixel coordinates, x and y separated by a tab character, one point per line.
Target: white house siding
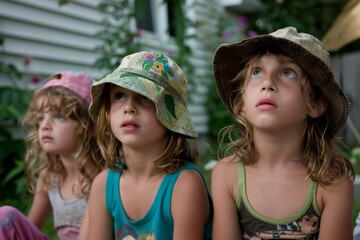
64	38
347	73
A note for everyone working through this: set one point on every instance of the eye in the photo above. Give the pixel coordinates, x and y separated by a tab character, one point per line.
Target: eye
117	96
40	118
289	74
143	98
256	72
59	116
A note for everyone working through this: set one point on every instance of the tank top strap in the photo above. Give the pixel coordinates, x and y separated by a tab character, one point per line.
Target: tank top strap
112	183
167	188
241	197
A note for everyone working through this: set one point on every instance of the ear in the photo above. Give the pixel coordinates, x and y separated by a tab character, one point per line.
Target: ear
318	108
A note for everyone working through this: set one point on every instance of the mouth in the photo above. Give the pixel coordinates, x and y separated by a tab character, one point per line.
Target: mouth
129	125
46	138
266	103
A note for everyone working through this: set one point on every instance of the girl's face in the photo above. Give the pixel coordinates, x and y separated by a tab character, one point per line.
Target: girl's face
273	96
57	134
133	119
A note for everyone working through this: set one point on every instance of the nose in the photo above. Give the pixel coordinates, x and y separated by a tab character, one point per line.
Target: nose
130	106
268	84
45	124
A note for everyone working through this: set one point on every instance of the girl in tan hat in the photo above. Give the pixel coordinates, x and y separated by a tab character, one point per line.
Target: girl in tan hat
153	189
281	177
60	159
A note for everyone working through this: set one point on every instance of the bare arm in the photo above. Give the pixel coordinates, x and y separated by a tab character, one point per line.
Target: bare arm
98	223
226	221
190	206
41	206
84	225
336	216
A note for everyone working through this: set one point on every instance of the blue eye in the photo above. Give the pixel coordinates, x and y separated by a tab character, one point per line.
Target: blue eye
59	116
256	72
289	74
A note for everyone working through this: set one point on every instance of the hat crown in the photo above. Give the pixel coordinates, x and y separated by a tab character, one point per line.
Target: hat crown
158	68
306	41
78	83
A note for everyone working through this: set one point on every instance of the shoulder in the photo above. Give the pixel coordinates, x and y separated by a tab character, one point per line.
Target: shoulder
342	189
189	178
225	168
100	180
189	185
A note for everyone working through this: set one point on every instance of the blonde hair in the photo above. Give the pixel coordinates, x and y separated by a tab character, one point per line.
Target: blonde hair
175	155
64	101
325	163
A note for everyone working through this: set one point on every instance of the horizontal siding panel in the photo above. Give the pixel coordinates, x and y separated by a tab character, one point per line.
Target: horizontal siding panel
26	31
51	52
52	19
48	67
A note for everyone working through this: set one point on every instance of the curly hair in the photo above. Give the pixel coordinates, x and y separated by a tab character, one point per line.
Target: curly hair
87	157
325	162
177	152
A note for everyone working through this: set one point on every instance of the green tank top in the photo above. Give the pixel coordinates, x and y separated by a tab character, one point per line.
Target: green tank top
304	224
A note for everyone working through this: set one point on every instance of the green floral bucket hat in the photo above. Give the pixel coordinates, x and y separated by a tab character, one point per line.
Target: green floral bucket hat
158	78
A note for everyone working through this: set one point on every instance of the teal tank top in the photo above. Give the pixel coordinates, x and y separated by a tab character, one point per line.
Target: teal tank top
157	222
303	224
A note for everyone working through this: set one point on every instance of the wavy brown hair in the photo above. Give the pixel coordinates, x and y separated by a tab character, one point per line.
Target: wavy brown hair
87	157
325	162
177	152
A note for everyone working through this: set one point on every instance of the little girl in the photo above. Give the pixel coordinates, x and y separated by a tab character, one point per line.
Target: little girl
153	189
282	176
60	159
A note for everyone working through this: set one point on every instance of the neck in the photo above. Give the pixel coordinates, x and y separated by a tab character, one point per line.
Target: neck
278	149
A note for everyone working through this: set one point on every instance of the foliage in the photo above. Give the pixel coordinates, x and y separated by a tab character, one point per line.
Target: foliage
13	101
314	17
119	38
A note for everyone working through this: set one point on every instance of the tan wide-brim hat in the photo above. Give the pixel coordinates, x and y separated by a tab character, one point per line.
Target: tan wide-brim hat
156	77
305	49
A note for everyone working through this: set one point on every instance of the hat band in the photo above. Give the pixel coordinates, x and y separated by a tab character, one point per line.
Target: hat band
156	79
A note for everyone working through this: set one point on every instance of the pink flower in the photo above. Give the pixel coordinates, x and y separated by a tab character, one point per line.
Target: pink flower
27	60
252	33
138	33
35	79
243	20
226	34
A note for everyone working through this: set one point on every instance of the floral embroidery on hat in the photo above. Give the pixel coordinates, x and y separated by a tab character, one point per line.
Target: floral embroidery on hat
158	63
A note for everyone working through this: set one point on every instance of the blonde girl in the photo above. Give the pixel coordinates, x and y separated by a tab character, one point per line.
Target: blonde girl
61	159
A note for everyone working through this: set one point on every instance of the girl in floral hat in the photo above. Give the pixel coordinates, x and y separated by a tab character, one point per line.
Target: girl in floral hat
61	159
153	189
282	176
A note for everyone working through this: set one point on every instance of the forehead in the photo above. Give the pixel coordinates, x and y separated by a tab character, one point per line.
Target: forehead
281	58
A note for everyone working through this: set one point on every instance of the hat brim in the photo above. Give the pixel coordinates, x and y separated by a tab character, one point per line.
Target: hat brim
229	59
171	112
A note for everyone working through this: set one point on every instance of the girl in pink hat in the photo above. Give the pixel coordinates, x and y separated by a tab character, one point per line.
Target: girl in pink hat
282	176
60	159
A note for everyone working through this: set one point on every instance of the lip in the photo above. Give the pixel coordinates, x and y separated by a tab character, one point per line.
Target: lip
129	126
46	138
266	103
